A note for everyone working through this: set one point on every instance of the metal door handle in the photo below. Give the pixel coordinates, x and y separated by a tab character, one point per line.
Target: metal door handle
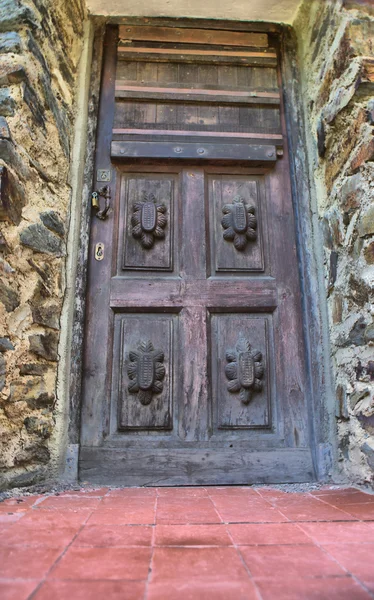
103	192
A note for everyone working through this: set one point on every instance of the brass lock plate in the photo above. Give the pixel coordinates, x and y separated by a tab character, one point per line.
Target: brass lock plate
99	251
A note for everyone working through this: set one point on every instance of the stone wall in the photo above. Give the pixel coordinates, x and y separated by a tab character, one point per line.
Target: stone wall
336	49
40	46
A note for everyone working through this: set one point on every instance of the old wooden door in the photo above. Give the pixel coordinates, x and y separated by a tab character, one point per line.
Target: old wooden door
194	357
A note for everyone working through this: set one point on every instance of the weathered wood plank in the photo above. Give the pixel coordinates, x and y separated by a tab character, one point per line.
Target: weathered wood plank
275	137
192	36
215	293
196	95
194	466
169	55
136	149
193	23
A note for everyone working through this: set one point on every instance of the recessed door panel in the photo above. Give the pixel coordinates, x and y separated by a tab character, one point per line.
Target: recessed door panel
236	225
144	359
241	371
147	222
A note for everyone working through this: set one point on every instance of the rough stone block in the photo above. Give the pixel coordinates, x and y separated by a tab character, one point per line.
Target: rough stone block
366	224
14	15
355	337
368	448
369	333
370	112
31	98
51	219
12	197
33	369
10	42
32	453
2	372
337	308
5	344
7	103
357	396
45	345
8	297
4	129
40	239
39	427
10	155
351	192
12	74
344	143
341	402
47	316
369	253
33	391
364	154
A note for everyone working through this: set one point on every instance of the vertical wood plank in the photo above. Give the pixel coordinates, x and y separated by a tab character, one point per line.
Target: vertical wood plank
95	410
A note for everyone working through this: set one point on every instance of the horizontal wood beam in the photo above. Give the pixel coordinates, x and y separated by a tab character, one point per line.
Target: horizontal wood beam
274	137
188	22
183	150
258	294
194	466
129	53
196	95
192	36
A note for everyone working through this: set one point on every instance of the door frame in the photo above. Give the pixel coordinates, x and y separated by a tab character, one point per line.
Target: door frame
314	307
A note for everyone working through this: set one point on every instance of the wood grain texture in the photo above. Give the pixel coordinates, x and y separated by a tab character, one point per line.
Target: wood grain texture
198	36
186	55
230	412
192	465
188	151
210	295
225	257
129	332
134	190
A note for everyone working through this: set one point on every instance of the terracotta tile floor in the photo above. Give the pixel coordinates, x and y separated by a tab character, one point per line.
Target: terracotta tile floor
231	543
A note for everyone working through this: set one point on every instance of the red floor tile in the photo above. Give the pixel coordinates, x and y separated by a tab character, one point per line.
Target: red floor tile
90	590
6	518
334	588
232	490
194	492
250	514
273	562
27	535
314	511
27	563
342	500
364	512
17	590
348	532
132	492
192	590
114	536
111	516
56	518
103	563
192	535
87	492
267	534
188	510
123	503
68	502
197	564
356	558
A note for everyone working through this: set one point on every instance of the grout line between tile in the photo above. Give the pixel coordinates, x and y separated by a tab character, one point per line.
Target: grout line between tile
32	595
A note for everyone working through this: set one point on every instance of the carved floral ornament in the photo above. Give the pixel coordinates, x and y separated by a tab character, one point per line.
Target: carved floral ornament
244	370
146	372
148	220
239	223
